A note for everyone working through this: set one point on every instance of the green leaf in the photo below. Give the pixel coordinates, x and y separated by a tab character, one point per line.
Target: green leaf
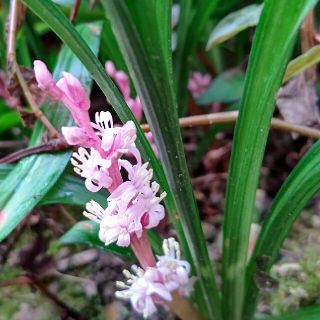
302	63
227	88
273	42
307	313
148	59
301	185
4	170
86	232
190	28
71	190
31	179
234	23
9	120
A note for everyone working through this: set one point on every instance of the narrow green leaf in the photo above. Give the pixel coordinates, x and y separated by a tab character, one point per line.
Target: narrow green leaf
302	63
234	23
272	46
307	313
296	192
31	179
155	89
188	37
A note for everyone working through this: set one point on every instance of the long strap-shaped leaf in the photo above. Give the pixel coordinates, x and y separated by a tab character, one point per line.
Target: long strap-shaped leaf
155	89
190	27
31	179
298	189
272	46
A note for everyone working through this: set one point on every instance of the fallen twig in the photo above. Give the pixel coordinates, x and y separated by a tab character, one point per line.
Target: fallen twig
52	146
232	116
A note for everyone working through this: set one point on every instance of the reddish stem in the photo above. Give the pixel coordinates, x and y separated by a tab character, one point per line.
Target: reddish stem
115	175
142	249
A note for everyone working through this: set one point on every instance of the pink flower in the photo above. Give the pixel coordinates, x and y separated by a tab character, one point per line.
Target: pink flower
152	143
45	80
132	207
175	270
92	167
68	90
146	289
123	83
198	83
115	141
135	107
76	136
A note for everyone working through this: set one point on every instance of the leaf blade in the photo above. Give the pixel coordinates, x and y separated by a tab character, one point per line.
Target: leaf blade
156	93
269	55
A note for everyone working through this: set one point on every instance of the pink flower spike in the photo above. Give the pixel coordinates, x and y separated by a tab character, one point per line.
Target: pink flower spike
156	285
120	79
45	80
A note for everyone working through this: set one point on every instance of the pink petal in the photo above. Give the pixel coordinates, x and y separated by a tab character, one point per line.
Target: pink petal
45	80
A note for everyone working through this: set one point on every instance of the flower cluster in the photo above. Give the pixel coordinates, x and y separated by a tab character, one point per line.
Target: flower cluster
106	152
198	83
122	81
133	205
155	285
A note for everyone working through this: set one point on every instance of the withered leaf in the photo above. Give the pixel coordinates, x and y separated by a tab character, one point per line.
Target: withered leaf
297	101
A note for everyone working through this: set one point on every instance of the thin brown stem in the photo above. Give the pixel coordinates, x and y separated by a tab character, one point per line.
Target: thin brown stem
15	69
35	108
74	10
232	116
12	29
13	144
52	146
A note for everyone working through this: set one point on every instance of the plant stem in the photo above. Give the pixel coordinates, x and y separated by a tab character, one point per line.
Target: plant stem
15	70
232	116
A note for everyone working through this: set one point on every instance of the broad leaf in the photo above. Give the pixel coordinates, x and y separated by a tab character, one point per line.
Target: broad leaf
234	23
226	87
86	232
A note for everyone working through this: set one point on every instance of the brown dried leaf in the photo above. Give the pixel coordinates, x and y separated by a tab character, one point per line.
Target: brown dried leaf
297	101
